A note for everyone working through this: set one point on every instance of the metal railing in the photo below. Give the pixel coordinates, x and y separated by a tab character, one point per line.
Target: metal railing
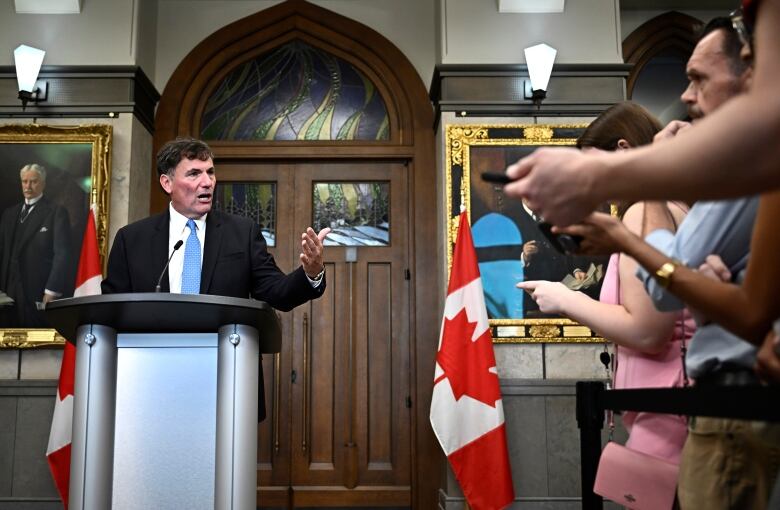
740	402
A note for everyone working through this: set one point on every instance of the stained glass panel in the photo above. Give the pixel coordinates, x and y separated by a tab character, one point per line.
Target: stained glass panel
295	92
358	212
253	200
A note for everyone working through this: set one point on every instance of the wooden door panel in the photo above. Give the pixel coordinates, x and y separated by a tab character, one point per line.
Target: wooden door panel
273	441
384	418
368	374
314	416
338	426
378	366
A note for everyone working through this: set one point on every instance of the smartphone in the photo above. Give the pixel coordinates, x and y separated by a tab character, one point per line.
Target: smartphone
496	177
564	243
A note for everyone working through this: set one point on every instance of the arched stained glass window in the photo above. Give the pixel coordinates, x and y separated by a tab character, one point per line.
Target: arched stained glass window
295	92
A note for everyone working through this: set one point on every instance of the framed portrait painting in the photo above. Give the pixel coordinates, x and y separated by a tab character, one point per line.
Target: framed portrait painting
49	179
510	245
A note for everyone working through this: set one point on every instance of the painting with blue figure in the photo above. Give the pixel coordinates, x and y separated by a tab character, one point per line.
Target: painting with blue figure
526	250
499	247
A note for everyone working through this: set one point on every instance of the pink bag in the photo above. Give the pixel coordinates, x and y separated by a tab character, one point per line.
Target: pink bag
635	479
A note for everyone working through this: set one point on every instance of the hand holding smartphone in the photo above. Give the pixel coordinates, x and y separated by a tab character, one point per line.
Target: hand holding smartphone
496	177
564	243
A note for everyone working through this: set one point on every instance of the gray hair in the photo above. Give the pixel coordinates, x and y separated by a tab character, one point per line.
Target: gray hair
34	167
172	153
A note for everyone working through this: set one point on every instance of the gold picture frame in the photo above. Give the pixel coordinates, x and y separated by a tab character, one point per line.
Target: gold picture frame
470	151
78	162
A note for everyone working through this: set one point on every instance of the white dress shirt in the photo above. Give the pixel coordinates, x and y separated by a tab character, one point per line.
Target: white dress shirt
178	230
32	201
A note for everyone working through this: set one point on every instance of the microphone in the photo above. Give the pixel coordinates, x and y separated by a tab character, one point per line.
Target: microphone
175	247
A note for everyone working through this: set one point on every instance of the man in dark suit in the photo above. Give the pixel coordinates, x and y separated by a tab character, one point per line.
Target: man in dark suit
233	261
35	250
222	254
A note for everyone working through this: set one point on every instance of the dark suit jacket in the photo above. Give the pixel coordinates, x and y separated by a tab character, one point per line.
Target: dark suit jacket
235	263
548	263
35	255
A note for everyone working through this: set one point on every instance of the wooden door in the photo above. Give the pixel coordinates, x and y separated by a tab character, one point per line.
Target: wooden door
338	396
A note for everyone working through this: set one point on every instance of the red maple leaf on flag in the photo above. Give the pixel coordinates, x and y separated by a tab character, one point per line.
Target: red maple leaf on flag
467	363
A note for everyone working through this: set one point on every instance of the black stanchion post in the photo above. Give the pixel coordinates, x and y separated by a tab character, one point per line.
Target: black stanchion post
590	420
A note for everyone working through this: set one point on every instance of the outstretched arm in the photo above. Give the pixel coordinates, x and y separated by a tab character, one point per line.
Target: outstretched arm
635	323
746	310
564	185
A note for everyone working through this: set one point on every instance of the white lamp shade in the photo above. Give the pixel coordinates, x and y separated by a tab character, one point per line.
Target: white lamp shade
540	60
28	62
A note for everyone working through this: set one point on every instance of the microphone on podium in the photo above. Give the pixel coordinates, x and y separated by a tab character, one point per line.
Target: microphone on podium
175	247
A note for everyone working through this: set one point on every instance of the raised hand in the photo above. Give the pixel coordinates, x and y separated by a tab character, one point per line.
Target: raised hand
312	251
602	234
557	183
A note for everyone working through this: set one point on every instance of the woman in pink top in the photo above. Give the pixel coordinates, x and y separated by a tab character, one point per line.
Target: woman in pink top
648	342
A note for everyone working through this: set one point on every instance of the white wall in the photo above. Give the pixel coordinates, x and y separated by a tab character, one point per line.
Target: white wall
145	35
100	35
182	24
474	32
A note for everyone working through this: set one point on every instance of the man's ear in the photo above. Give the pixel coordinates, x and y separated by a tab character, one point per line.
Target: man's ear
746	79
165	183
623	144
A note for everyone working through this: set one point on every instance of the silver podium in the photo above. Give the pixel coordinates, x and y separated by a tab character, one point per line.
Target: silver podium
166	399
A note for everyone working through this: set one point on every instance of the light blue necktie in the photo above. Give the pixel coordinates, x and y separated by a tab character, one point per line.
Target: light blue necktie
190	273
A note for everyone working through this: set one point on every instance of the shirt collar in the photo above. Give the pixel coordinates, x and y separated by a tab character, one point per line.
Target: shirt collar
179	221
530	212
33	201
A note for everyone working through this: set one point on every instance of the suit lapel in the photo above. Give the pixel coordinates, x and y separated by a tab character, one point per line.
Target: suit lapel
211	250
159	248
32	224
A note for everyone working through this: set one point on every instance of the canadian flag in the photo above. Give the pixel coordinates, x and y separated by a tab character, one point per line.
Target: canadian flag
467	414
88	280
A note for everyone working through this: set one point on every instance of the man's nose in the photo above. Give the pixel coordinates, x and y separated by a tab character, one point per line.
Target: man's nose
689	95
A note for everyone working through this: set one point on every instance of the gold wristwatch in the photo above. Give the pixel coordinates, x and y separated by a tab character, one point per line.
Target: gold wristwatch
664	273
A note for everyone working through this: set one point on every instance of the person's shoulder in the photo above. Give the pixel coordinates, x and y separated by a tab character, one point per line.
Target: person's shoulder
55	207
230	219
12	209
634	215
46	203
145	224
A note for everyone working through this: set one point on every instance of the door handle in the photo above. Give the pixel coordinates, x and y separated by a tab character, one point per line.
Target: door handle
277	391
305	413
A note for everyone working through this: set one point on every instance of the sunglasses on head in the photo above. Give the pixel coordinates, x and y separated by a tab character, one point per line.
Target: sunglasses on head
742	27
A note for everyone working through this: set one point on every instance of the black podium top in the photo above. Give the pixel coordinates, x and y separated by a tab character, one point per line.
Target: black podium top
150	312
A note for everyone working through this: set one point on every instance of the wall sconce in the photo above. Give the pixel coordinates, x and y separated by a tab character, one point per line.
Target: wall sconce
540	60
28	62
